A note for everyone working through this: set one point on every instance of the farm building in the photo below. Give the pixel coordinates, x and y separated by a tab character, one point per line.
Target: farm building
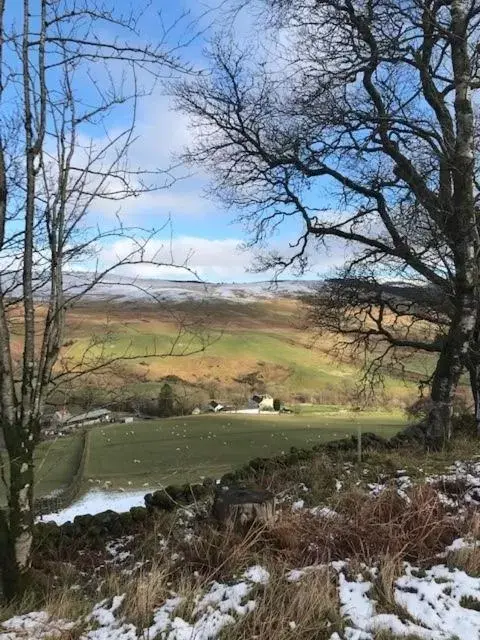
60	417
214	406
90	417
264	402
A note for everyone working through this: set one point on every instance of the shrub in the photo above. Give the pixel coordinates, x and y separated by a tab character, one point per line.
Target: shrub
166	401
420	409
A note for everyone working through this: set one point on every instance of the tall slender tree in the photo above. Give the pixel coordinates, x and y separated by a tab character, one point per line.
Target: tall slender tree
62	79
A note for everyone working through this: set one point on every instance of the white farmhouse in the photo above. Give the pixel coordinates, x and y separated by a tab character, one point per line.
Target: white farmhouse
263	401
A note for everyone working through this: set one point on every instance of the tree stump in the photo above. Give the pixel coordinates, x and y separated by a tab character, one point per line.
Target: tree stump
239	506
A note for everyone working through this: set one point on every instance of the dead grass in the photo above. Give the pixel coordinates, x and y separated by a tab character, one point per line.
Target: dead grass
307	610
27	603
145	592
318	474
389	569
56	591
220	553
67	604
384	531
369	528
467	560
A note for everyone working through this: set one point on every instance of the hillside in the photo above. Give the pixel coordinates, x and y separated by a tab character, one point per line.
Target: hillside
123	288
222	349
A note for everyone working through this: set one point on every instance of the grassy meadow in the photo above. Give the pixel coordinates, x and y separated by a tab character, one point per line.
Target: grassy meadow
176	450
263	345
158	452
55	464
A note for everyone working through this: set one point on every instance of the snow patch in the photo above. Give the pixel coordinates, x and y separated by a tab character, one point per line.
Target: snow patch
442	603
219	607
36	624
95	502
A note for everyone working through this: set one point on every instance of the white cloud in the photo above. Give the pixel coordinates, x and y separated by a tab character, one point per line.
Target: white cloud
212	260
161	134
162	202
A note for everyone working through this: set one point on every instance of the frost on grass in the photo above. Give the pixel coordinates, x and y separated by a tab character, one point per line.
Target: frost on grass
36	624
219	607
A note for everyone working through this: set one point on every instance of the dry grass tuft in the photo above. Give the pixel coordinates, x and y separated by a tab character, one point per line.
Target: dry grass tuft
389	569
29	602
305	610
145	592
369	528
67	605
467	560
220	553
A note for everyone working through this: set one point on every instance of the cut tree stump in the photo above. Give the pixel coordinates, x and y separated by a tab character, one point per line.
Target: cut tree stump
239	506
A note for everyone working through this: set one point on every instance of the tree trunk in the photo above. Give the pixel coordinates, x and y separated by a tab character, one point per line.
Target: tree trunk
447	374
475	383
16	523
238	507
474	374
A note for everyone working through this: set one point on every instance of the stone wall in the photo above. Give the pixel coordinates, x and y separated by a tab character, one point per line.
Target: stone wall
51	504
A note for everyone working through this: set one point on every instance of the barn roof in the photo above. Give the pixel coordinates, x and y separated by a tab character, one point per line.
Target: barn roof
89	415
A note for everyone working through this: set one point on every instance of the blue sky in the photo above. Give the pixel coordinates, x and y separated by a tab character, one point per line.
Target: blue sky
200	228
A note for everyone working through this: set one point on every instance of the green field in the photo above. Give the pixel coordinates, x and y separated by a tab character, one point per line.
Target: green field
161	452
55	464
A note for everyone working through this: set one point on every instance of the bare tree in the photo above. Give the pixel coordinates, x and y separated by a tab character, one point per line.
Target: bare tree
366	106
381	325
386	326
61	82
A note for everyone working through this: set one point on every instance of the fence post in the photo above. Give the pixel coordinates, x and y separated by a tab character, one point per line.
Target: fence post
359	442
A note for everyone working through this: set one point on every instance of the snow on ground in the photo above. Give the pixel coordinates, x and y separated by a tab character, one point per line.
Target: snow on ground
219	607
154	289
402	484
34	625
465	476
457	488
438	603
95	502
442	603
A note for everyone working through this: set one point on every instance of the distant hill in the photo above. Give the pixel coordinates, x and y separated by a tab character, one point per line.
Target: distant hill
127	288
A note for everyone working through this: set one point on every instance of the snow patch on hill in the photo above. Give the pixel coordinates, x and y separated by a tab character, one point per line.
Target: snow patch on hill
145	289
